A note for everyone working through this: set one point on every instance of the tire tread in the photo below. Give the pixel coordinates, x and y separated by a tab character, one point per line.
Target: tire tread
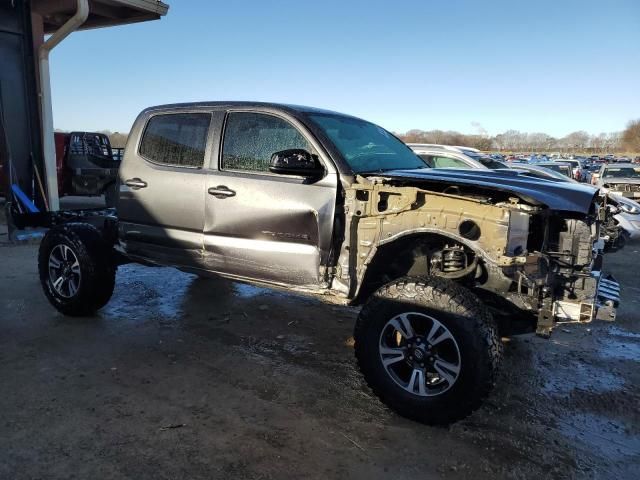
97	266
449	296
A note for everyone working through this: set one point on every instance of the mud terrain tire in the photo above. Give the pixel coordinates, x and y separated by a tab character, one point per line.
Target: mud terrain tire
445	320
77	253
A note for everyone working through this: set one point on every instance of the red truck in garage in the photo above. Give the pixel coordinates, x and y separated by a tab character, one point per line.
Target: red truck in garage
85	166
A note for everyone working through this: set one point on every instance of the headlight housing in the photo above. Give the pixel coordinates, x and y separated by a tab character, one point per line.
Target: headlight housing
628	207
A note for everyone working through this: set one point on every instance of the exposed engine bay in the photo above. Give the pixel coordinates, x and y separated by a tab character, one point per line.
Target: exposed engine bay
524	259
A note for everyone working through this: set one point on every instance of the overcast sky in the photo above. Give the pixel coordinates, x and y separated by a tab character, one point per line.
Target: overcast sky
544	66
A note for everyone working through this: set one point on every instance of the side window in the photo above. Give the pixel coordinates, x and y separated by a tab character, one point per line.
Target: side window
448	162
176	139
250	139
428	159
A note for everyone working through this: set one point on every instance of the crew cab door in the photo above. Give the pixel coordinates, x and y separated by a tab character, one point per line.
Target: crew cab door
161	202
264	226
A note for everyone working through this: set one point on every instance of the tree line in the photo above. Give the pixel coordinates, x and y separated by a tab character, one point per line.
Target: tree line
516	141
116	139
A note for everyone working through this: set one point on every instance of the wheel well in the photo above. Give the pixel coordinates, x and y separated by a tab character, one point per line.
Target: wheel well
410	256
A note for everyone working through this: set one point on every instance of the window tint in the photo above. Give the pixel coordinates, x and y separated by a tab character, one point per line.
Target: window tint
176	139
251	139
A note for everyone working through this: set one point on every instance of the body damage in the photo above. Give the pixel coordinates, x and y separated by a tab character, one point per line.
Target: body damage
360	211
535	191
534	260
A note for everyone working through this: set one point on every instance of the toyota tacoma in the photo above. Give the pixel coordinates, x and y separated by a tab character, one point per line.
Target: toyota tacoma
443	262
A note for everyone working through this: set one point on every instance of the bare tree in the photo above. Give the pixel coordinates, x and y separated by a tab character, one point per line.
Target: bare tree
630	137
613	141
118	140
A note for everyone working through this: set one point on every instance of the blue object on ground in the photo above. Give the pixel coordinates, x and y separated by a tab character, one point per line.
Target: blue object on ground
28	236
24	200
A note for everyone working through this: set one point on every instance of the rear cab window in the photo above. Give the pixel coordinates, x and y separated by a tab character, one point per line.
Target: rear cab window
176	139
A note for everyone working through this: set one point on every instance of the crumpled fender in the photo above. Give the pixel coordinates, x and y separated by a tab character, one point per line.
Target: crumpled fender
571	197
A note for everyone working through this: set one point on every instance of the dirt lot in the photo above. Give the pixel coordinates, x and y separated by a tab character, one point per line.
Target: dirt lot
181	377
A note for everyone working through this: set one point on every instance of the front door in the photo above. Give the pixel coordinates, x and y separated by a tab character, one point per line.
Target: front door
264	226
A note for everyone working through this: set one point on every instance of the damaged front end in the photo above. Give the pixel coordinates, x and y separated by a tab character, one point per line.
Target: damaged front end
526	254
569	286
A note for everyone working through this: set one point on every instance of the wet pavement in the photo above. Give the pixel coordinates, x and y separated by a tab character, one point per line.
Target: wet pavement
183	377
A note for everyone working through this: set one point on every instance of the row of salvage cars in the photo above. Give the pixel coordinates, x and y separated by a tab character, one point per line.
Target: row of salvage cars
618	184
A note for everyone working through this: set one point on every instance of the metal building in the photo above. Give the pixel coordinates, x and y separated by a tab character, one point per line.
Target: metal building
29	30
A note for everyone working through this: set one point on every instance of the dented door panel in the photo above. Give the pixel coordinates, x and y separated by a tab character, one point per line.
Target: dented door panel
274	228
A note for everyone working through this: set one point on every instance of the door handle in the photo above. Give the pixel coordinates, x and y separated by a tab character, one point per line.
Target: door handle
135	183
221	191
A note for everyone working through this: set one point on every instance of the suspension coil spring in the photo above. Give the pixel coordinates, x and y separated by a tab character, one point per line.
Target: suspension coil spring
453	259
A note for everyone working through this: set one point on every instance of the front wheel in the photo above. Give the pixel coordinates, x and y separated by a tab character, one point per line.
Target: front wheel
428	348
76	270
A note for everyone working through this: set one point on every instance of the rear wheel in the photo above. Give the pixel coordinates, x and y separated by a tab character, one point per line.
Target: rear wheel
76	270
428	348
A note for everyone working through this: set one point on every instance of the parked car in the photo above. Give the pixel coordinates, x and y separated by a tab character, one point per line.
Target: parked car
576	169
628	216
619	178
548	171
445	156
589	171
563	168
626	212
85	165
330	205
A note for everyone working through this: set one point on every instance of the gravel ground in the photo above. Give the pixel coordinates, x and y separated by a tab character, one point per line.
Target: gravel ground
182	377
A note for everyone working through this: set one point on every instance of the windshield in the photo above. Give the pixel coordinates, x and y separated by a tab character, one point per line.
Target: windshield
365	146
623	172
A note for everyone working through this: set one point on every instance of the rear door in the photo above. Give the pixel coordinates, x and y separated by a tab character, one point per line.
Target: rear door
161	203
264	226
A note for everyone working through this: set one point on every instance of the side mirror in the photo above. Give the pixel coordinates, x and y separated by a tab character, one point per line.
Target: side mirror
295	161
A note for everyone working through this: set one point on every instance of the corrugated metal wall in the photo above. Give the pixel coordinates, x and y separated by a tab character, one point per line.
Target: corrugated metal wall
18	93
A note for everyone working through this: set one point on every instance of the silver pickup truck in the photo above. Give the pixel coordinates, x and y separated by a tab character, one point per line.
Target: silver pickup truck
444	262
